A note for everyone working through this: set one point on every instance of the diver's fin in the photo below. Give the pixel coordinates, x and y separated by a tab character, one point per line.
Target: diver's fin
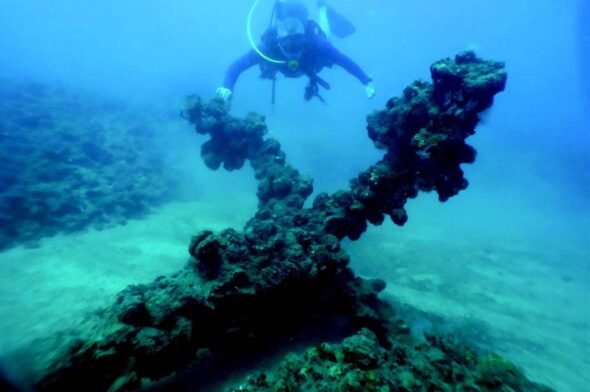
338	24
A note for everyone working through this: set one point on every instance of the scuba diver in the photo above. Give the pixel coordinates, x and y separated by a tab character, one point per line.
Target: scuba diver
296	46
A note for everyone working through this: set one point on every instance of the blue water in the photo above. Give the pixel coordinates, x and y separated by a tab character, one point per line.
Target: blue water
530	185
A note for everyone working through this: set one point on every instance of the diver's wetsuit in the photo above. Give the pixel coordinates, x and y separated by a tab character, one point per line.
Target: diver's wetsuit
317	54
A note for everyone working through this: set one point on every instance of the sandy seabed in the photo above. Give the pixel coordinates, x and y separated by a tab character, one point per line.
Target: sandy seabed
525	300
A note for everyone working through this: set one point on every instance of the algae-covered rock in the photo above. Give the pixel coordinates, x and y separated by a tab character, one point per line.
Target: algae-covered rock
495	373
423	133
360	363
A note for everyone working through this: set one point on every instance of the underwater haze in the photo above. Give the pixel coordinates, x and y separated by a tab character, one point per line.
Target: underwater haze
102	183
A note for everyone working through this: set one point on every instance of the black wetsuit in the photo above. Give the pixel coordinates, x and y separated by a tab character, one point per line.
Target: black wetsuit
317	54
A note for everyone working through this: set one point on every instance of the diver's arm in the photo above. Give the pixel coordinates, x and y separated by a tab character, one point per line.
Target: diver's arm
339	58
240	65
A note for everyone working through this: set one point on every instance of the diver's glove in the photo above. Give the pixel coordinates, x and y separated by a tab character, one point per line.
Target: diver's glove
370	90
224	93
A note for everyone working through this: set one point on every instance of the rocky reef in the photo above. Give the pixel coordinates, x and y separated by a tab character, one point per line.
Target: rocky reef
361	363
284	279
61	172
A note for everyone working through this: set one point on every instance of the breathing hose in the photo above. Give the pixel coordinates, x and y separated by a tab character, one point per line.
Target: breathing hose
252	43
